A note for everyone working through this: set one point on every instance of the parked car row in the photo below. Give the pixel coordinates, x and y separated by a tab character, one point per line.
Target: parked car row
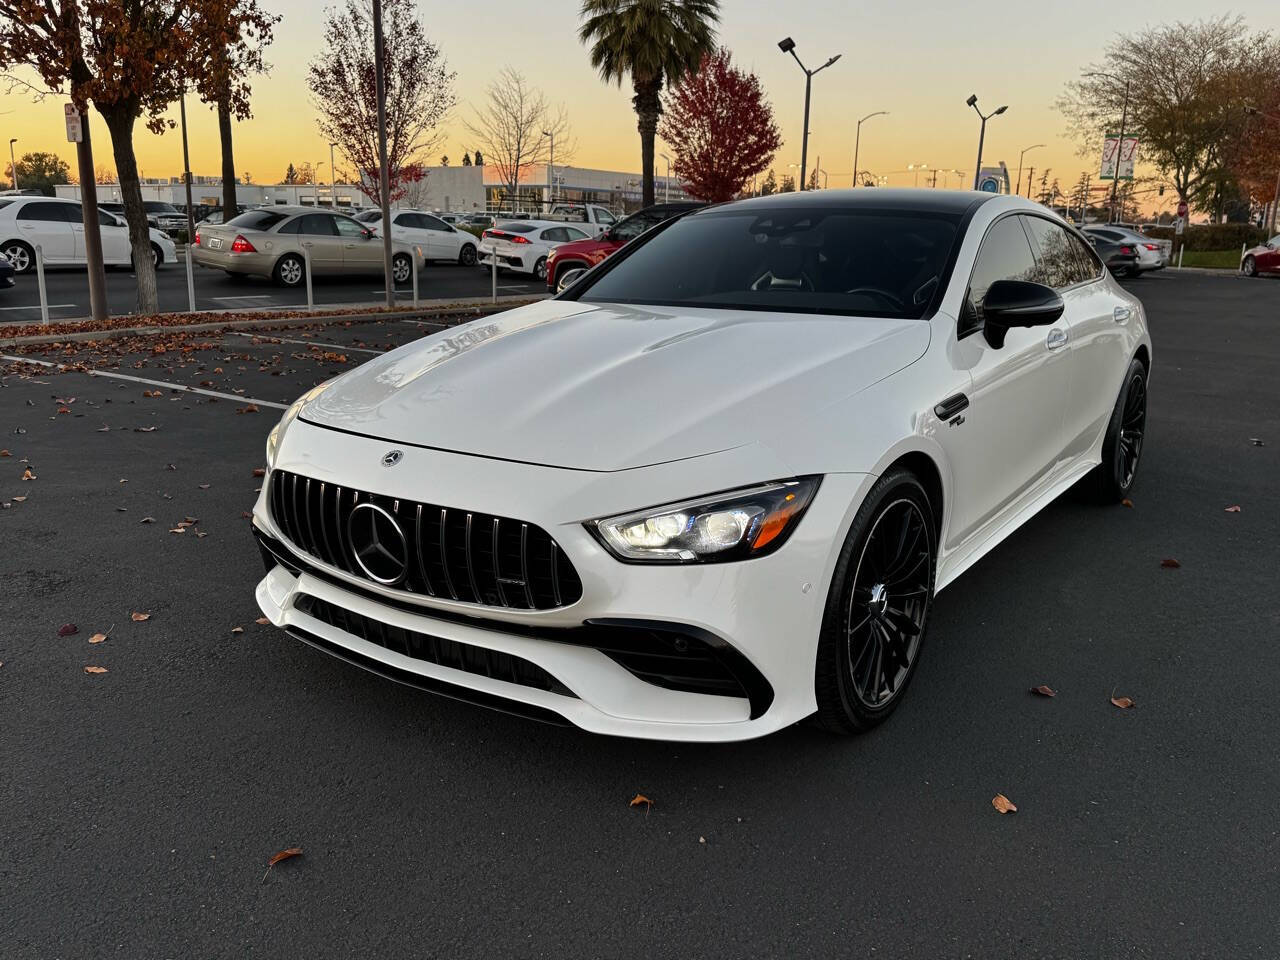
1152	254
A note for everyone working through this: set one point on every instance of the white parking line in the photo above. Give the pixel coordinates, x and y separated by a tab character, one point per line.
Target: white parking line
255	296
181	387
306	343
36	307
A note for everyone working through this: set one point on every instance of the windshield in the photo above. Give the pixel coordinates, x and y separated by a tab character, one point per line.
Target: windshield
257	220
886	263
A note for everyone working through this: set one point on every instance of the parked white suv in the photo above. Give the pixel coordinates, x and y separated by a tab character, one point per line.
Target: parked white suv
57	227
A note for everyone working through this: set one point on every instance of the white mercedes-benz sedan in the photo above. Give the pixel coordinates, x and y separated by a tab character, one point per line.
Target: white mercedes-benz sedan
712	488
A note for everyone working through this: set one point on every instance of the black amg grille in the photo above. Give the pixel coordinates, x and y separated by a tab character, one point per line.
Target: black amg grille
447	553
481	661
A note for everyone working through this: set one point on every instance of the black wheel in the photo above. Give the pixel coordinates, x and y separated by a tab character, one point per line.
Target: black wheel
1249	268
290	271
1113	479
568	277
467	256
401	268
157	255
20	256
878	606
540	268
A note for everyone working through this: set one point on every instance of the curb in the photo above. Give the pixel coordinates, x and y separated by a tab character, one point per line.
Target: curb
479	308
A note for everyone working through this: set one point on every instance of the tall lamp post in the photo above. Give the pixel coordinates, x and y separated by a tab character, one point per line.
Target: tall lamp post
787	45
916	168
666	189
13	164
333	180
1275	200
1124	119
1034	146
315	180
551	166
982	133
857	140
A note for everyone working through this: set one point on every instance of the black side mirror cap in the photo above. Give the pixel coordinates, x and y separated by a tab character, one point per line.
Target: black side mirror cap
1018	303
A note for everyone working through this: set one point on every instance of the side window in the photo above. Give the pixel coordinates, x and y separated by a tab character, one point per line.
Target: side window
106	219
317	225
1005	255
633	226
605	217
407	220
1058	265
573	233
346	227
1089	264
291	226
433	223
556	235
41	210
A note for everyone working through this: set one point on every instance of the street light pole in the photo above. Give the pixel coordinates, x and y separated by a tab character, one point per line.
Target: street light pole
982	133
333	180
1018	189
551	166
787	45
13	164
857	140
384	176
666	189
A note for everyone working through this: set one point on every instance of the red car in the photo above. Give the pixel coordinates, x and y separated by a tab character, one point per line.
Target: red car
569	261
1262	259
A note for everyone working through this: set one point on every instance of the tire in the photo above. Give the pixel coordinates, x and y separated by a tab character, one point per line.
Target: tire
568	277
290	270
1113	479
1249	268
540	269
467	255
878	606
401	268
157	255
20	256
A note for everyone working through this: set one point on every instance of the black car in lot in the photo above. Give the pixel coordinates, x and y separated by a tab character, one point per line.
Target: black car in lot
1121	258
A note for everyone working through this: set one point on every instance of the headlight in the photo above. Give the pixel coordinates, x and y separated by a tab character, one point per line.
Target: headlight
277	432
735	525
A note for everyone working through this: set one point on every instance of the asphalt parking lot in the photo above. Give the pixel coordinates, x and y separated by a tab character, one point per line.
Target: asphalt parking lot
141	804
68	290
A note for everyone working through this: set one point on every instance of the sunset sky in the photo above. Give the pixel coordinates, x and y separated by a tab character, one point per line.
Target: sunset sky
918	61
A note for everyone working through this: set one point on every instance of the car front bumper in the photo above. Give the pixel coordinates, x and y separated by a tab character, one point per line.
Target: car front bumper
757	620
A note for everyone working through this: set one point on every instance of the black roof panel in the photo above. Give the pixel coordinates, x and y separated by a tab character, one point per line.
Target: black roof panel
878	198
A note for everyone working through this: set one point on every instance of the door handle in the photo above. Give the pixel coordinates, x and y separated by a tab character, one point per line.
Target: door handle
1121	314
1057	338
948	408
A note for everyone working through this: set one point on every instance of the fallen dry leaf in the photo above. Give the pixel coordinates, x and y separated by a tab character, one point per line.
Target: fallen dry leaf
95	669
68	629
144	429
1233	509
1169	563
152	393
5	453
139	617
1003	804
179	529
19	499
248	408
203	486
1044	690
281	856
1124	703
262	620
147	520
640	800
64	409
237	629
259	472
1127	503
97	638
1255	441
28	475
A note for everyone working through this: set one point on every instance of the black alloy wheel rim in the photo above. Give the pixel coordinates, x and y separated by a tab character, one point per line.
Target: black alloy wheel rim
1250	266
1133	424
468	256
888	603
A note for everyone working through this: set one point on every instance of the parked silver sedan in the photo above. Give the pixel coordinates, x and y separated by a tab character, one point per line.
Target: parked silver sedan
272	242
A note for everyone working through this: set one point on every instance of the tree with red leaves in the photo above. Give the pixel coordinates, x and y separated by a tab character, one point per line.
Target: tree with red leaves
721	127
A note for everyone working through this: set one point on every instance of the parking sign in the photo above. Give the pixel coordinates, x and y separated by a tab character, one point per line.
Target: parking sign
75	132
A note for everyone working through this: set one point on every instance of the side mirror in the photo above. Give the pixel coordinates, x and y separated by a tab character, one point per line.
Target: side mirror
1018	303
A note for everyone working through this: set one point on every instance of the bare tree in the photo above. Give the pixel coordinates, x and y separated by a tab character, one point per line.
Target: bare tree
514	128
343	91
1188	85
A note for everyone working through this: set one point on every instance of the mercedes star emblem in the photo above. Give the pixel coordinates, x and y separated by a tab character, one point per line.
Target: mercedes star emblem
391	458
378	544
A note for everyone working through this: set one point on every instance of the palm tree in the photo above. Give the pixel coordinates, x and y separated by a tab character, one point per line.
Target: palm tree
651	40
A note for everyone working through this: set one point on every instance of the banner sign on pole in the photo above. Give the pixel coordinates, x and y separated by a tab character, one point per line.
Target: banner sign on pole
74	132
1128	154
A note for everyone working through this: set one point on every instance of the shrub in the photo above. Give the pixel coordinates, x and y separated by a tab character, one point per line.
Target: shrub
1214	236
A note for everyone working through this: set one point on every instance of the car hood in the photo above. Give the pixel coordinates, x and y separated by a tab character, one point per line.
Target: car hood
583	247
608	387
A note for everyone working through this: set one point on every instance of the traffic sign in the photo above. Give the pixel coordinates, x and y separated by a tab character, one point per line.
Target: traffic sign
1183	209
989	185
75	131
1180	225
